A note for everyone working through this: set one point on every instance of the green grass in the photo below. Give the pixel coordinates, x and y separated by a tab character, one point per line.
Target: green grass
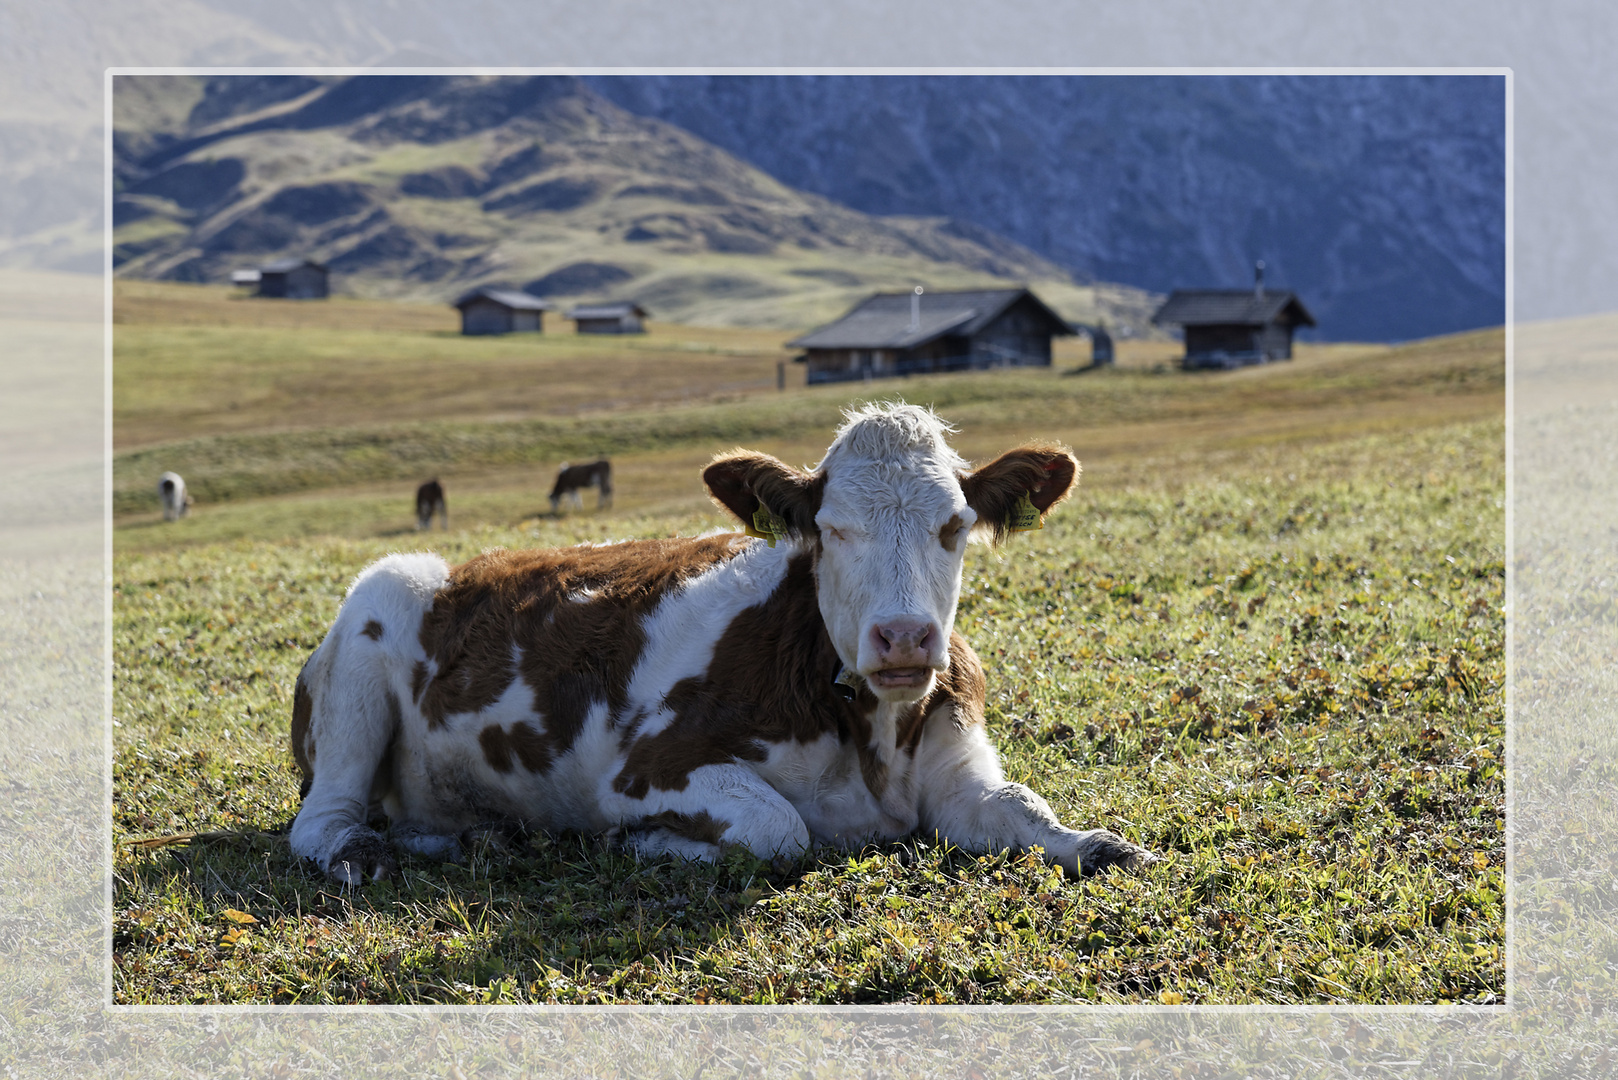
1265	639
349	408
1279	663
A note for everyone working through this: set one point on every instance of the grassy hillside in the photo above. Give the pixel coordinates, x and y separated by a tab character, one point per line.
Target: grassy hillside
337	410
194	360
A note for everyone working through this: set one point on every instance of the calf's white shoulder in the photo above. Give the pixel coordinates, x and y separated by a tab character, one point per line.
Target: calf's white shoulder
800	685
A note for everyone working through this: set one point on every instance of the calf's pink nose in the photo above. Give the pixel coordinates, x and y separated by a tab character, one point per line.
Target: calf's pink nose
903	641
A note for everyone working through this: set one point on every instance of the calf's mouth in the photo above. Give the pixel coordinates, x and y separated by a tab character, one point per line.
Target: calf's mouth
895	678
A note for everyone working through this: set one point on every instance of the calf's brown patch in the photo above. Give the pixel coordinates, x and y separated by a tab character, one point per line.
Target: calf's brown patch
302	708
770	681
574	654
522	743
701	826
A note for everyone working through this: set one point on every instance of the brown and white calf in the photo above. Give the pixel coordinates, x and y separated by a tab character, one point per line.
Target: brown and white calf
430	501
798	686
571	479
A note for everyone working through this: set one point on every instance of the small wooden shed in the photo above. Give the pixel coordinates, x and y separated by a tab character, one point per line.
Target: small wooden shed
502	311
293	279
1101	351
1229	328
918	332
625	317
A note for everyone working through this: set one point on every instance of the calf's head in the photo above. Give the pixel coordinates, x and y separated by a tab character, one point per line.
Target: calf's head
887	513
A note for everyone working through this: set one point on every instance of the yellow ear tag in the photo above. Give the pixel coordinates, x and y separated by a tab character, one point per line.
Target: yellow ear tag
767	525
1024	516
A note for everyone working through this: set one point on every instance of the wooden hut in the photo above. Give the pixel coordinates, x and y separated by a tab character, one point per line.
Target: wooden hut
502	311
1228	328
918	332
625	317
1101	349
293	279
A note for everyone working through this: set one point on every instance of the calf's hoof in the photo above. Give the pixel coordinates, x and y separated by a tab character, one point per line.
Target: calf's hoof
363	854
1102	850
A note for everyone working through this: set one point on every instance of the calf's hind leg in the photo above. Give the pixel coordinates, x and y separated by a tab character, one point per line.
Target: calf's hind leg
347	713
349	776
345	719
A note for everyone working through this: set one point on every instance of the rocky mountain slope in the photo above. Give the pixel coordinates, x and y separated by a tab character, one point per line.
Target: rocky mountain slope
1379	199
423	186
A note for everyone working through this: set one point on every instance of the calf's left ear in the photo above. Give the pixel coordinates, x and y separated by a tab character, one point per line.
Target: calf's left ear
1044	472
742	481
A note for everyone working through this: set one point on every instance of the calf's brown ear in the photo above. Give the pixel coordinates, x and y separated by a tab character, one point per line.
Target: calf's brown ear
742	480
1044	472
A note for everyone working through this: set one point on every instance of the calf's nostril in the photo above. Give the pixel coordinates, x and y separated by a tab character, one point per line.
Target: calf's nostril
904	636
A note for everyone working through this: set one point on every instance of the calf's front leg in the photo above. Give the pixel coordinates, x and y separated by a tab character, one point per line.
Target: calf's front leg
967	801
720	805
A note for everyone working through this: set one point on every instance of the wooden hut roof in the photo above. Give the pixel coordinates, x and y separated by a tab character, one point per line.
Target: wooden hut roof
606	311
883	321
282	266
511	298
1227	307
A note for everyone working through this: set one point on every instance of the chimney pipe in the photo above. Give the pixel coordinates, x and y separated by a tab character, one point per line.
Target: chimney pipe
915	310
1258	279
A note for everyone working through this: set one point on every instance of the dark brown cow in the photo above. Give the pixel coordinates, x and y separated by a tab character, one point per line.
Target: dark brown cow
800	685
571	479
430	501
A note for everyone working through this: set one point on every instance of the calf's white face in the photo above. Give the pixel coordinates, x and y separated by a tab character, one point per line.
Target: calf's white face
893	539
891	505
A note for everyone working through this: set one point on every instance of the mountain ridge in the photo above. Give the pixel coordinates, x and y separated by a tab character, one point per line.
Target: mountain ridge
426	185
1379	199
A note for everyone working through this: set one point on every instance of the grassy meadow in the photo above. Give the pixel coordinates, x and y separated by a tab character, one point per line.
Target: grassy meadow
1265	638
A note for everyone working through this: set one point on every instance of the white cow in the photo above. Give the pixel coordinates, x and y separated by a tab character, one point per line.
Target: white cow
171	489
801	685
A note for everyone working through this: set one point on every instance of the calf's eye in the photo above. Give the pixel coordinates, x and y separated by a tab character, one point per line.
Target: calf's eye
950	533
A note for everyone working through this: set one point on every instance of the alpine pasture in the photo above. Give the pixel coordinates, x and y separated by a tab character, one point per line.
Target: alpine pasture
1264	638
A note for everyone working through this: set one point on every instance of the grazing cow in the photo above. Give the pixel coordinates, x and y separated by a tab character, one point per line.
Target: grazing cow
687	694
571	479
430	501
171	489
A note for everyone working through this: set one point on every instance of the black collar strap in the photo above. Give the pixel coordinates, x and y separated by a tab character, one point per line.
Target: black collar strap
841	682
